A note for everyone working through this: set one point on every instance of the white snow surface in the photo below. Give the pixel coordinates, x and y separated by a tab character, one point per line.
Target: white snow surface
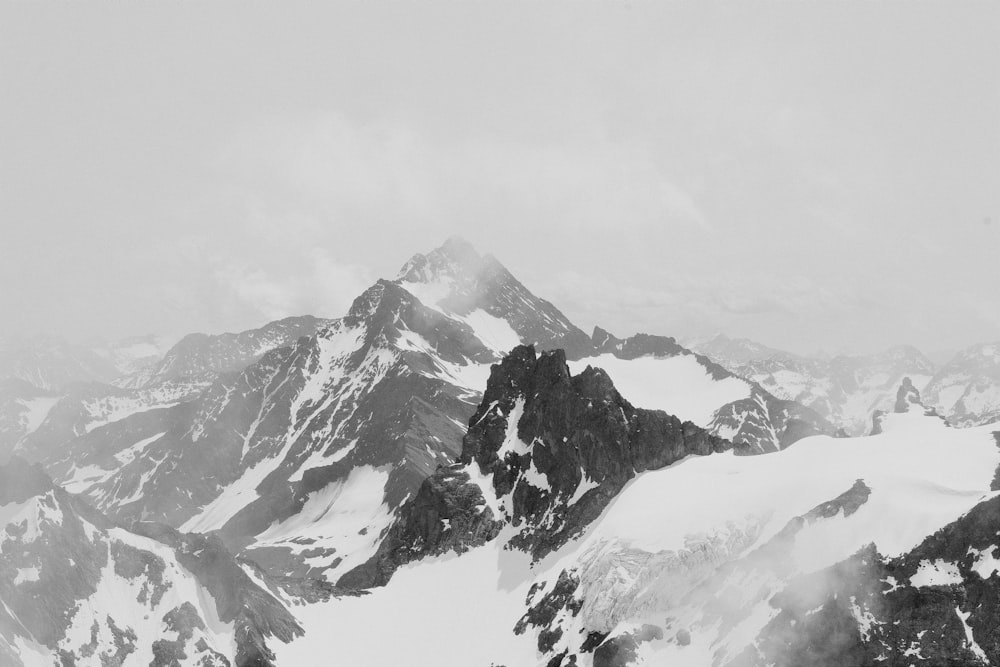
348	515
678	385
935	573
684	520
447	611
35	411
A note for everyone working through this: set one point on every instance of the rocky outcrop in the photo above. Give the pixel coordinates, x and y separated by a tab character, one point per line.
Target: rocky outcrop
907	399
256	614
64	562
545	453
935	605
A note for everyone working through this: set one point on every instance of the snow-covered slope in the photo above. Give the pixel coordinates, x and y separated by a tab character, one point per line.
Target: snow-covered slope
658	373
967	388
23	408
676	563
77	589
846	389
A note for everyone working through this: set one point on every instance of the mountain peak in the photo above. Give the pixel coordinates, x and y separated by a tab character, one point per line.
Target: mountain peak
456	259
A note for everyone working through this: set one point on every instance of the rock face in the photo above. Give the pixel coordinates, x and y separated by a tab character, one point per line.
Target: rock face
935	605
545	453
79	589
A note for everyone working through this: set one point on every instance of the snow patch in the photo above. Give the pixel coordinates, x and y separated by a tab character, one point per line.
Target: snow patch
936	573
679	385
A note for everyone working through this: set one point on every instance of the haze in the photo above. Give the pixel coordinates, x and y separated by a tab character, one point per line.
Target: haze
810	176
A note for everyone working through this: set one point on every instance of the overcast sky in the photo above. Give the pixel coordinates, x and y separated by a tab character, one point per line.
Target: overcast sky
811	176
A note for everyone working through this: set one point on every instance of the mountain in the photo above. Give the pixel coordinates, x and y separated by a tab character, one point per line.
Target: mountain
50	363
576	529
202	357
967	388
658	373
77	588
133	355
37	422
23	408
302	459
845	389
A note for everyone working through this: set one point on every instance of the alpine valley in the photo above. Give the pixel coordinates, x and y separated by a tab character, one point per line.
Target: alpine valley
453	473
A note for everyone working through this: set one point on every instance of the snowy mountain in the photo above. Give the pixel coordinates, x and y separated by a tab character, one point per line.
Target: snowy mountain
302	459
76	588
202	357
50	363
576	529
37	422
845	389
967	388
134	355
506	489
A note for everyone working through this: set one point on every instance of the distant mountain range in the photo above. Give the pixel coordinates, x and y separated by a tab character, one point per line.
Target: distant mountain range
847	390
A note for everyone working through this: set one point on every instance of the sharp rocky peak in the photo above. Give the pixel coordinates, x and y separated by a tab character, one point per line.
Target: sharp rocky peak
545	454
456	259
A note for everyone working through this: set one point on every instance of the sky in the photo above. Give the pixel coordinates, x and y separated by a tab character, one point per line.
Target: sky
816	176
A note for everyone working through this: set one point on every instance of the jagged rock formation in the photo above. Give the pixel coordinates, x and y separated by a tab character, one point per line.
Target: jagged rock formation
907	399
77	588
545	453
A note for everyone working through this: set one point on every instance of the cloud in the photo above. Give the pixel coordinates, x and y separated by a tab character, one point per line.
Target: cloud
320	286
388	173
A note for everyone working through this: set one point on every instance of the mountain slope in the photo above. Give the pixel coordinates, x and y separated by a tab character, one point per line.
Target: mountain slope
76	588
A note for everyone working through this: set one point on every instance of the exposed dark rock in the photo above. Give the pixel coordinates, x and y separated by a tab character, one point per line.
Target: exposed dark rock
570	429
542	614
621	650
866	610
256	613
